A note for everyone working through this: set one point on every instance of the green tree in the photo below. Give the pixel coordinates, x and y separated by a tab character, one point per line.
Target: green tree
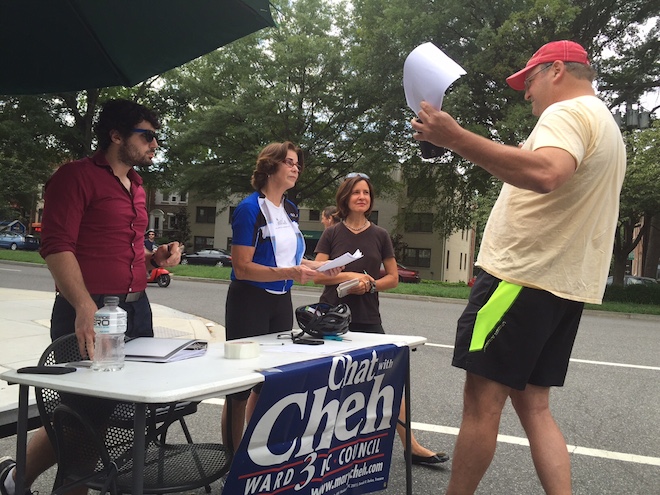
640	197
182	221
38	133
293	83
27	154
491	40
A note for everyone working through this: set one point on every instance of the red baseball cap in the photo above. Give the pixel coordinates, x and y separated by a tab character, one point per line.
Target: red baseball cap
566	51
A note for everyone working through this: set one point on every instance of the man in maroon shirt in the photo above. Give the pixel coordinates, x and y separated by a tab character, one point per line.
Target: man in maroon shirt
92	240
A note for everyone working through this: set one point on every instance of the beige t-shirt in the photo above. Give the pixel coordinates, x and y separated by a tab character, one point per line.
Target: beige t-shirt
562	241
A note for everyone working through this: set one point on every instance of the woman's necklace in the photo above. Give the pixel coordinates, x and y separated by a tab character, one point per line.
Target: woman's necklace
358	229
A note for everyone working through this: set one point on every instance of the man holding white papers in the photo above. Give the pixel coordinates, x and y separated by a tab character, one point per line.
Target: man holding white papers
545	252
356	234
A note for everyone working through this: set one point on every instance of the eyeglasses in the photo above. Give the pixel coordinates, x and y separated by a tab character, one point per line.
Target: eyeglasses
357	174
290	163
528	81
147	134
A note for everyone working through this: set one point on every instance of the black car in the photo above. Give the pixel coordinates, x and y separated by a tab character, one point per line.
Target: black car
211	257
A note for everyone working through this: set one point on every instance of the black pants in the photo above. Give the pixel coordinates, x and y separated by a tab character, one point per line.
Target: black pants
140	320
63	320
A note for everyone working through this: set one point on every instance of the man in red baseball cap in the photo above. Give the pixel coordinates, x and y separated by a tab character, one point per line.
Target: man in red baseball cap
545	252
566	51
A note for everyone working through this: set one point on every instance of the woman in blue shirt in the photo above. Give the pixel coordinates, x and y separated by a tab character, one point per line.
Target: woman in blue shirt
267	257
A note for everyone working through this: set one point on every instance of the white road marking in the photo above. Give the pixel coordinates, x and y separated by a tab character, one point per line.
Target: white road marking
10	270
621	365
573	449
584	361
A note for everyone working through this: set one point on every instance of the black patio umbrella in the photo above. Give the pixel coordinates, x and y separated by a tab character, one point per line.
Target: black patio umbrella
49	46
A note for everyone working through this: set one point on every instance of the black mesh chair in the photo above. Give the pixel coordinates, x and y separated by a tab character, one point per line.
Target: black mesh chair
93	439
76	439
65	350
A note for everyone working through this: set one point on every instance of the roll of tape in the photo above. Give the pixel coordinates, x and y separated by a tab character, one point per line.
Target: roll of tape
244	349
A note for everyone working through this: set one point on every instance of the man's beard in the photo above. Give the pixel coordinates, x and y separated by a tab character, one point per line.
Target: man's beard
131	157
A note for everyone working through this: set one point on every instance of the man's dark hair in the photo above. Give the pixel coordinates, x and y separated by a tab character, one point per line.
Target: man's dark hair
121	116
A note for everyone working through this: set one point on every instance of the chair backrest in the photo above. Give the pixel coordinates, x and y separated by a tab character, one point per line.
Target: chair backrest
81	454
62	350
168	467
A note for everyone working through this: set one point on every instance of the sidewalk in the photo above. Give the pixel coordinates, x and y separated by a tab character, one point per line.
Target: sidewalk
24	333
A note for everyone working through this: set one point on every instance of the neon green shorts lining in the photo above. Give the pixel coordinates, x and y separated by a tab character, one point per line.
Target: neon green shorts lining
492	312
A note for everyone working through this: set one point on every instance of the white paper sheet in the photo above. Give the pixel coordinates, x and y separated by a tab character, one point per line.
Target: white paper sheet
342	260
427	73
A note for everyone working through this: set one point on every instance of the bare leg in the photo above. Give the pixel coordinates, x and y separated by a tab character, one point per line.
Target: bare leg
251	404
237	421
483	401
416	447
39	456
546	441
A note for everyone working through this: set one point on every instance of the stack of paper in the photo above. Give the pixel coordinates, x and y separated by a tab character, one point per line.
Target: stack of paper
343	260
156	350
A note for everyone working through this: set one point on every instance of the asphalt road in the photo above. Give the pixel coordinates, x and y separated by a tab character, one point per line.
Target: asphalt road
609	409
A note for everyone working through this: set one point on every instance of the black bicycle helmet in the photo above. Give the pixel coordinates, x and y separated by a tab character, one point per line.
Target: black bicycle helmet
321	319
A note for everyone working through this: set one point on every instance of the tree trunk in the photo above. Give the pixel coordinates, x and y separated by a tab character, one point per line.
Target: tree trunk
652	252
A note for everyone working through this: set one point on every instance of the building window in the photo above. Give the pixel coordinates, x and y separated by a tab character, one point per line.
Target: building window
447	259
203	243
373	217
205	214
232	209
419	222
314	215
417	257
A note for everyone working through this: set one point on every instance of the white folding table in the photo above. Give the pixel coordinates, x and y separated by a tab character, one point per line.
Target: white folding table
195	379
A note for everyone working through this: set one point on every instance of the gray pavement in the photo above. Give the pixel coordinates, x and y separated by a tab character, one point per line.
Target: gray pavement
608	410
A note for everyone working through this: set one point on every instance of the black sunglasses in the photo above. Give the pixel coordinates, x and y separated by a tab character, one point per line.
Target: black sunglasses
357	174
148	134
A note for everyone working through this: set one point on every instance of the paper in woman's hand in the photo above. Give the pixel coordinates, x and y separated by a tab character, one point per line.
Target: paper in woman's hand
342	260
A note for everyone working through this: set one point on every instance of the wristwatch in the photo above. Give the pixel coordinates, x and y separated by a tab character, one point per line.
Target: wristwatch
372	290
153	263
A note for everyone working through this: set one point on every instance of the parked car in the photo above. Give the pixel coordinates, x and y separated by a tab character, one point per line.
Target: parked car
14	241
405	274
634	280
211	257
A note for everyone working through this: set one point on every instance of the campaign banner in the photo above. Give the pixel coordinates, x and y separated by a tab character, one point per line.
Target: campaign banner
323	427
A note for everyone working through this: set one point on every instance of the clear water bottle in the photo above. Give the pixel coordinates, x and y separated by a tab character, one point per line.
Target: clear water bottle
110	328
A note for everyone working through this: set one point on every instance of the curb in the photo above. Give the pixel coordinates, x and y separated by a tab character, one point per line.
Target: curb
590	312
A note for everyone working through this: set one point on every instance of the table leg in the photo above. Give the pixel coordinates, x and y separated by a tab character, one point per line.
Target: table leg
408	430
21	437
139	426
229	442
